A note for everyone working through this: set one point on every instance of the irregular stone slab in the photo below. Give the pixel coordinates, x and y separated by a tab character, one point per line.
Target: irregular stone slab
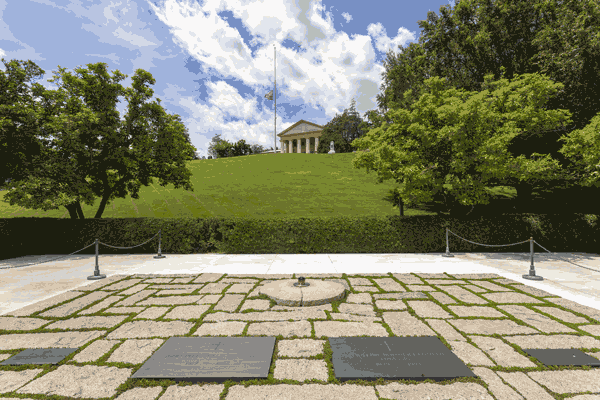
301	370
147	329
535	291
497	387
360	281
208	278
390	305
203	359
562	315
73	381
324	392
477	276
229	302
445	282
332	328
510	298
553	342
525	385
476	311
265	316
475	289
502	353
214	288
445	329
458	390
74	305
363	298
132	300
12	380
256	305
442	298
389	285
185	312
170	287
22	324
403	324
410	358
539	321
470	354
171	300
361	309
371	288
464	295
569	381
286	329
423	288
491	286
357	318
229	328
102	305
397	296
487	327
176	392
158	280
408	279
87	322
240	288
571	305
44	340
300	348
44	304
428	309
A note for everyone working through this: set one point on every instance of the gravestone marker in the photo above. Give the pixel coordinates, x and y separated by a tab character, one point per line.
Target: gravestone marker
411	358
39	356
210	359
562	357
331	148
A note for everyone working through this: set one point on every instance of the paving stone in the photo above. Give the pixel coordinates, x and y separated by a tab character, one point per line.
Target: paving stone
408	279
300	347
210	299
176	287
476	311
433	276
475	289
170	300
476	276
487	327
266	316
389	285
320	307
124	310
204	278
240	288
132	290
510	298
428	309
74	305
42	305
87	322
356	318
122	284
313	275
132	300
568	381
491	286
158	280
287	329
592	329
502	353
361	309
403	324
13	380
73	381
396	296
571	305
239	280
360	281
539	321
390	305
344	329
506	281
470	354
147	329
152	313
442	298
363	298
172	292
89	285
495	384
308	391
187	312
554	342
256	305
229	328
229	302
300	370
535	291
262	276
183	280
341	281
525	385
214	288
372	289
423	288
458	390
562	315
464	295
95	350
445	282
22	324
134	351
446	330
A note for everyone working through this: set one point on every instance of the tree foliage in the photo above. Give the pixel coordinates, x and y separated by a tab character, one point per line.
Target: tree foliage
460	138
95	154
342	130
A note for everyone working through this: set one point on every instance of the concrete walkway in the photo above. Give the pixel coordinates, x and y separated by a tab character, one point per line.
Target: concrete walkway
573	276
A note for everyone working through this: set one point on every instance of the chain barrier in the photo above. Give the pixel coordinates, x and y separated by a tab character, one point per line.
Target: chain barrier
97	274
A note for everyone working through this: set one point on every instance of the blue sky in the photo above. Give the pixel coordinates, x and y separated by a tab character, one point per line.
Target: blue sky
213	60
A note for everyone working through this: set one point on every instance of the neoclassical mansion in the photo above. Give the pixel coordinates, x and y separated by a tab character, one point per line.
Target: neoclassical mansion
301	130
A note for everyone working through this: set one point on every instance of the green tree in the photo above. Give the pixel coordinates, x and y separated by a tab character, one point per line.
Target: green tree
226	149
94	153
332	132
214	142
558	39
460	138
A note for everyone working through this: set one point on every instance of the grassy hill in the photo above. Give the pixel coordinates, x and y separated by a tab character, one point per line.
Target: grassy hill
261	185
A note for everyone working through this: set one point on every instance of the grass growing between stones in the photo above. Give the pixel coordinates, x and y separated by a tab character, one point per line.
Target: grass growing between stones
327	351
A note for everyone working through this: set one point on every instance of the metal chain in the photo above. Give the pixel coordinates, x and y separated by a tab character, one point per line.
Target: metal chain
114	247
489	245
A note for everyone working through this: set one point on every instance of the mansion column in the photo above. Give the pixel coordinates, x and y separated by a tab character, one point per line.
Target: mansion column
289	146
308	145
299	144
316	143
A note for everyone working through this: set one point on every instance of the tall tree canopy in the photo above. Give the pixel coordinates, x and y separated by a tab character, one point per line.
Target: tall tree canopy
560	39
452	136
92	152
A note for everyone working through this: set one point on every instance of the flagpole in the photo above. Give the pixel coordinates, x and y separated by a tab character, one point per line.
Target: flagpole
275	79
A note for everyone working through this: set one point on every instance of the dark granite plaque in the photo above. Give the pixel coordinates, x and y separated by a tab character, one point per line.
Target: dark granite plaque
410	358
563	357
38	356
210	359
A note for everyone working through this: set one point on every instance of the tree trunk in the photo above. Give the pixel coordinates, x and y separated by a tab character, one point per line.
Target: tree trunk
72	210
103	202
524	192
79	210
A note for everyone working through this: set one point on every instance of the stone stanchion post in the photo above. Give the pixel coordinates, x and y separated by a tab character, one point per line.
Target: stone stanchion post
97	269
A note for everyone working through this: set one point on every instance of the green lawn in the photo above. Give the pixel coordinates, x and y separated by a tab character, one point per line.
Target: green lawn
261	185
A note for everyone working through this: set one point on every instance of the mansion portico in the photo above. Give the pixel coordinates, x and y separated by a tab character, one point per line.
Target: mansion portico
297	138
